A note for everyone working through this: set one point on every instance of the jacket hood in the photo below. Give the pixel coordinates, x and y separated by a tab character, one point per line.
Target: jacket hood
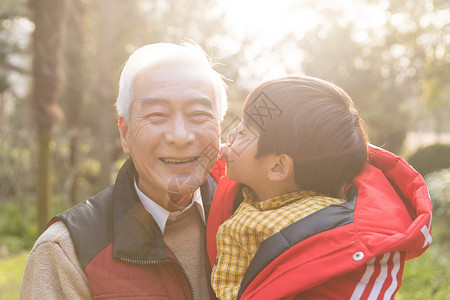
409	186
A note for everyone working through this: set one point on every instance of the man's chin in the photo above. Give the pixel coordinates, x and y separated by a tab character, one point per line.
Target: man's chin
178	202
184	184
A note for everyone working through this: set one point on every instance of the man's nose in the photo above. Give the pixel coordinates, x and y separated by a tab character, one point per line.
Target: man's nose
180	132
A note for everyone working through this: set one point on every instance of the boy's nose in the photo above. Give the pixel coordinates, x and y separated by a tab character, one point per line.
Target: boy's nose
231	136
224	150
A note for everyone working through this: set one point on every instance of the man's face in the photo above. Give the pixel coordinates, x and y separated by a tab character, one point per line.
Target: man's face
173	132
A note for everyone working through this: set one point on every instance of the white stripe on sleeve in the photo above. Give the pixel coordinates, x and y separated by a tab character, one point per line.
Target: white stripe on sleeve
390	291
361	286
380	279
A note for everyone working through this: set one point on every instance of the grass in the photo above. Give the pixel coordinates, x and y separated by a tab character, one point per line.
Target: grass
11	272
428	276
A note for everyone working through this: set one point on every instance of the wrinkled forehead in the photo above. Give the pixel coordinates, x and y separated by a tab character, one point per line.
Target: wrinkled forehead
183	71
174	81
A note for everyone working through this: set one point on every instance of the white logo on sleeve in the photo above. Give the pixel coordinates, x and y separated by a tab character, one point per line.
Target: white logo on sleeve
427	234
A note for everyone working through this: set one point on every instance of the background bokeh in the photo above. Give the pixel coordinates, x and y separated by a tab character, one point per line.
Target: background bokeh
60	62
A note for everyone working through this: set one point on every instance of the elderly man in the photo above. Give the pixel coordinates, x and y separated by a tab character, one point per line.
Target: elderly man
145	235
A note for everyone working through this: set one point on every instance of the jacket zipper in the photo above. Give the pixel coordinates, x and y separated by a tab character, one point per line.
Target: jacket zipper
154	262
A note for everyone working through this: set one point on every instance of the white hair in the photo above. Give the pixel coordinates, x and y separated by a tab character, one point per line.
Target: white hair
153	53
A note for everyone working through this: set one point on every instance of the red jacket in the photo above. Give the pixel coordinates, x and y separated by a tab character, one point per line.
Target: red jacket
120	246
351	251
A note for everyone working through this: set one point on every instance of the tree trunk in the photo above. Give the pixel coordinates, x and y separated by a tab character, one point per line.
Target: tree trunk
44	180
48	17
74	91
105	91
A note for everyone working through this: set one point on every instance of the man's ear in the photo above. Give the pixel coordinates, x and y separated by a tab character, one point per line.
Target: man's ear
123	129
282	168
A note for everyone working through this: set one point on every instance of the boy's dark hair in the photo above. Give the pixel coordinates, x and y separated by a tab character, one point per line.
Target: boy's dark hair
314	122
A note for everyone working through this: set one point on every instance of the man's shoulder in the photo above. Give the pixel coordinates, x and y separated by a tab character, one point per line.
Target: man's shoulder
55	233
89	225
91	209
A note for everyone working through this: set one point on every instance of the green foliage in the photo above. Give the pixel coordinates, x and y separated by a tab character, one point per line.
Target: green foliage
11	222
431	158
16	156
16	233
11	272
10	43
428	276
439	187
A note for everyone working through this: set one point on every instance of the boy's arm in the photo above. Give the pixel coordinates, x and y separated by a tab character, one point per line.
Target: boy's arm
53	270
221	210
230	265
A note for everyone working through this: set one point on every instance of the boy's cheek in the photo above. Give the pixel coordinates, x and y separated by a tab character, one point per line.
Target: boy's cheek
224	151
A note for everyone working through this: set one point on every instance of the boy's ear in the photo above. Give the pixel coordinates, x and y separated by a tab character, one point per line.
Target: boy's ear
282	168
123	129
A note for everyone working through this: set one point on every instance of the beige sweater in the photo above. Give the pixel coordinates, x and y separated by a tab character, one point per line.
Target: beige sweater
53	270
185	236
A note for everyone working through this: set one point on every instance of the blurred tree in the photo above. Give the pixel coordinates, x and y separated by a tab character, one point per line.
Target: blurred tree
435	74
48	17
74	91
436	93
431	158
106	31
10	46
382	67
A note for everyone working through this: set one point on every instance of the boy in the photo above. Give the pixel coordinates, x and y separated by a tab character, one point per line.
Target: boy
299	146
302	154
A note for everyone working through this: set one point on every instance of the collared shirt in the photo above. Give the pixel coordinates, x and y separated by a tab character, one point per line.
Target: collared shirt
239	237
161	215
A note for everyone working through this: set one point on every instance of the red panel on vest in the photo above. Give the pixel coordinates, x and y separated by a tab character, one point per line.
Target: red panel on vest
111	278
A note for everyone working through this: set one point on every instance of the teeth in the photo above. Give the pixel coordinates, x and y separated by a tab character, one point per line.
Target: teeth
177	161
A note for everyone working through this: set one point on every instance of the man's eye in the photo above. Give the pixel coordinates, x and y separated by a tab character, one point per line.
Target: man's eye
199	116
157	117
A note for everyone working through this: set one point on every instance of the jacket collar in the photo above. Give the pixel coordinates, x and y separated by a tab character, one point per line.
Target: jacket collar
136	235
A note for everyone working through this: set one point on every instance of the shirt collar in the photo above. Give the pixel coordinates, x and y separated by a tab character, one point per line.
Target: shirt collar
278	201
161	215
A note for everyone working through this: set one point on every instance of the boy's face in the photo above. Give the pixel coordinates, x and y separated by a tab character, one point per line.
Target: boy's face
240	155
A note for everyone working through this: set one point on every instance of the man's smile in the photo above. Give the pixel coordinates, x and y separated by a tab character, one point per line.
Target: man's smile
178	161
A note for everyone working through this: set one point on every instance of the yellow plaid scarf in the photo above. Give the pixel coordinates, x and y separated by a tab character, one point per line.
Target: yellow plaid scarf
239	237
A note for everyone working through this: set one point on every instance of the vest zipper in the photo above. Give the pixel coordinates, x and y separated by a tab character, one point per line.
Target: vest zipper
154	262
